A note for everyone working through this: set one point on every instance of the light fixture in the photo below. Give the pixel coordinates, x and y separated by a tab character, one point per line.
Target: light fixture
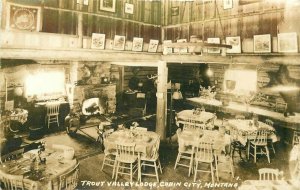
209	72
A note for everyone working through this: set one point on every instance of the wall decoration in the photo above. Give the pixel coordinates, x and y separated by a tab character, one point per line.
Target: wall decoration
23	18
236	44
262	43
119	42
129	8
213	41
167	50
181	50
288	42
175	11
137	44
98	41
153	44
227	4
108	5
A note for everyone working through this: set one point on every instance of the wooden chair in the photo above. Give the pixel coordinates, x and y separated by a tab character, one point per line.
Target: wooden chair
236	145
270	142
126	155
11	155
260	142
15	182
152	161
204	154
296	137
184	153
69	180
269	174
109	155
225	163
190	124
52	113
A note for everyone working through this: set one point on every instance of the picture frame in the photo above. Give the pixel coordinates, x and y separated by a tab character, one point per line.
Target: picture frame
108	5
119	42
98	41
288	42
153	44
262	43
236	44
227	4
181	50
167	50
129	8
175	11
137	44
213	41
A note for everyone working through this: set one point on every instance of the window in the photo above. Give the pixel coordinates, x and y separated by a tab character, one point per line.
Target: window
45	85
240	81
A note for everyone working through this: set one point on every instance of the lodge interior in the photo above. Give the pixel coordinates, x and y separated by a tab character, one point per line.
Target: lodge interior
166	80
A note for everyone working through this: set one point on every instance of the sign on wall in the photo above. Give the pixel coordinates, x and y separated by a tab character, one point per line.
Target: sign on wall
23	17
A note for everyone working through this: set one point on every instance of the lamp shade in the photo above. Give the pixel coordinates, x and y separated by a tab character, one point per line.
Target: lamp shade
18	91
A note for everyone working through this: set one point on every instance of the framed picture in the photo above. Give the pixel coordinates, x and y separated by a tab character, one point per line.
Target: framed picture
236	44
153	44
23	17
129	8
108	5
137	44
175	11
227	4
262	43
167	50
213	41
98	41
288	42
119	42
181	50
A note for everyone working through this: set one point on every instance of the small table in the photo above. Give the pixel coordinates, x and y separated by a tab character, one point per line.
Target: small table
244	128
42	176
143	145
203	117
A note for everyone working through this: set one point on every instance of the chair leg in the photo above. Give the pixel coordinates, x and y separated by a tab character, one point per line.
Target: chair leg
114	169
156	172
217	173
159	165
117	171
103	162
273	147
267	152
191	165
195	171
131	172
212	172
255	154
177	160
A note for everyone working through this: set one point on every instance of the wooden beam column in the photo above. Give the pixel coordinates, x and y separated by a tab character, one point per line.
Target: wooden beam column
80	24
161	95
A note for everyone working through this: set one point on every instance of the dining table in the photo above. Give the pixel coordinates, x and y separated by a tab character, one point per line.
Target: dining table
144	142
202	117
246	128
36	174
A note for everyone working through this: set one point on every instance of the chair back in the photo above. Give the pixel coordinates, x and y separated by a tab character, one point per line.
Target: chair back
268	174
11	155
15	182
190	123
126	152
52	108
261	136
155	148
69	180
203	152
269	122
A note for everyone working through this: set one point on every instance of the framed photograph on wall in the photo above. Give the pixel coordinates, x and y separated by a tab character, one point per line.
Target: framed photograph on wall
288	42
213	41
227	4
236	44
175	11
137	44
153	44
129	8
119	42
98	41
108	5
262	43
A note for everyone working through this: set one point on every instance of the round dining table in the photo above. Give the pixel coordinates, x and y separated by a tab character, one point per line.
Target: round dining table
185	115
37	175
144	142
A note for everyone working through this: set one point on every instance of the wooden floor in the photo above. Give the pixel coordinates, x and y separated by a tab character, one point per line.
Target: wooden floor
90	156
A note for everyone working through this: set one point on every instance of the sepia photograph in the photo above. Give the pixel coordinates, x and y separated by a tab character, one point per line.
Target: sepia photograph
149	94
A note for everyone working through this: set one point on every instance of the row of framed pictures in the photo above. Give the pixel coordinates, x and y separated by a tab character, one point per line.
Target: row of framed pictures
286	43
98	42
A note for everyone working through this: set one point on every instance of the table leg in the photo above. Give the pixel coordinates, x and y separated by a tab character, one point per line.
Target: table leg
139	169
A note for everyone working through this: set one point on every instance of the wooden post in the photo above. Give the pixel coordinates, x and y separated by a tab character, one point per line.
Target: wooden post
80	25
161	95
